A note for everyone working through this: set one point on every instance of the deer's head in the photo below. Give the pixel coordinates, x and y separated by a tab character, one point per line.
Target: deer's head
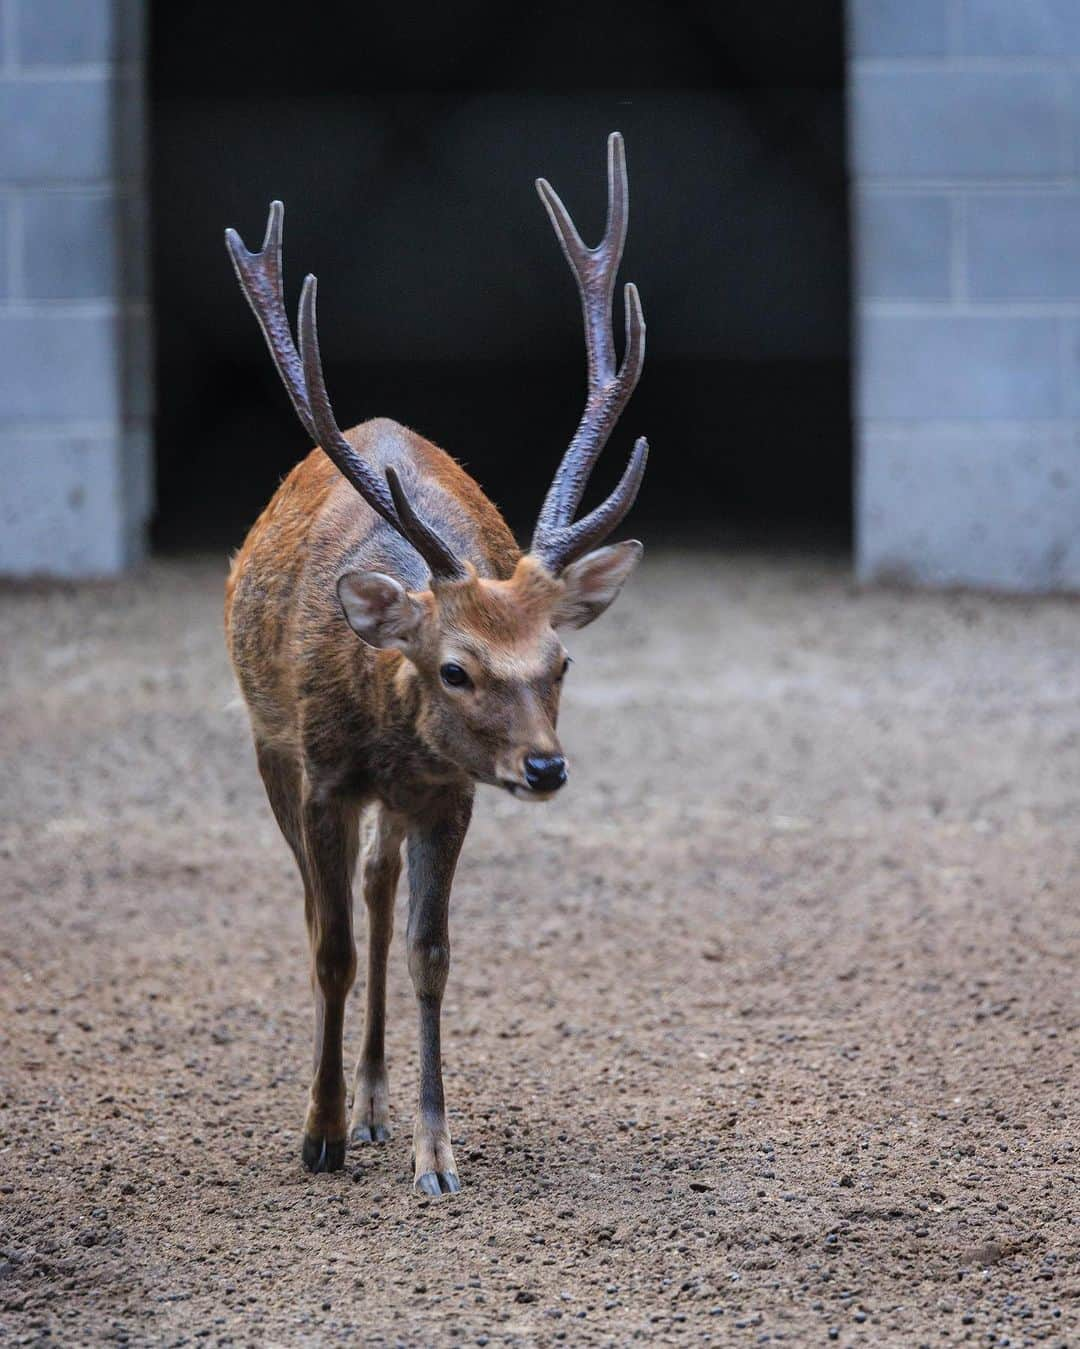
486	653
488	659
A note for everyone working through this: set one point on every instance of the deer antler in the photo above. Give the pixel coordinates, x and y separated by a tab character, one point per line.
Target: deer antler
301	372
557	541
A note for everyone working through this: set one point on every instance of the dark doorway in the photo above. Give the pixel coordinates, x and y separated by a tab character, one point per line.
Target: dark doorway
404	141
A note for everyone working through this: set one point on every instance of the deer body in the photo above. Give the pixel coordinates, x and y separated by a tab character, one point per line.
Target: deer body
455	680
283	621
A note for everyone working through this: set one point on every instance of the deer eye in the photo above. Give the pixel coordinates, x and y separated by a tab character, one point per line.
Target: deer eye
454	676
562	673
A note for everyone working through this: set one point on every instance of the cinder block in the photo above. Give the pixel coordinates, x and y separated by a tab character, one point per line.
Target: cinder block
60	367
5	280
957	506
70	246
903	246
1072	367
964	368
134	246
54	130
137	468
130	22
64	32
84	245
1003	28
1024	247
129	113
883	28
1074	122
62	511
948	124
138	366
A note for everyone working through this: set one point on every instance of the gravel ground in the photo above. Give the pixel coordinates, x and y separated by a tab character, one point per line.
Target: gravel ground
766	1031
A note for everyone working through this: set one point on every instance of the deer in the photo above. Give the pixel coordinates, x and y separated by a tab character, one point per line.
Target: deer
395	649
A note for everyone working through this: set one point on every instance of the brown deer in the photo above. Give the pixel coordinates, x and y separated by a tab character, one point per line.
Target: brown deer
379	535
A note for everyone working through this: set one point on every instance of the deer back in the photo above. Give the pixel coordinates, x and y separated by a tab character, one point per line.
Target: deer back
287	636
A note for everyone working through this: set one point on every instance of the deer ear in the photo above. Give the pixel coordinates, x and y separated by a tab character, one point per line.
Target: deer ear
593	581
379	609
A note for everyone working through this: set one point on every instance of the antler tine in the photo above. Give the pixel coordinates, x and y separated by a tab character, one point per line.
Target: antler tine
327	432
609	388
388	498
259	275
428	544
595	269
578	538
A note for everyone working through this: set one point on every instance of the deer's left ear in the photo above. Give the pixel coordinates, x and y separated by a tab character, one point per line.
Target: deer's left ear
593	581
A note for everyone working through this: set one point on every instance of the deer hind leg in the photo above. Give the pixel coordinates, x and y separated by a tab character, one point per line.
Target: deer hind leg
434	846
330	838
282	779
381	867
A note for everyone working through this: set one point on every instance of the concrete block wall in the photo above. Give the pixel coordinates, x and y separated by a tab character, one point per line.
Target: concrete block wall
964	121
75	367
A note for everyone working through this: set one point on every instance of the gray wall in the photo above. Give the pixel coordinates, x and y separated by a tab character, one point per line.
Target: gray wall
75	452
965	149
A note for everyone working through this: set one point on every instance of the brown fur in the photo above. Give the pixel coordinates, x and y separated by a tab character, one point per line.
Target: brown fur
340	725
286	635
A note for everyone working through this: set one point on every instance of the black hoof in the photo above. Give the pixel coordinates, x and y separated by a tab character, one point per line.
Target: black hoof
320	1155
368	1133
437	1182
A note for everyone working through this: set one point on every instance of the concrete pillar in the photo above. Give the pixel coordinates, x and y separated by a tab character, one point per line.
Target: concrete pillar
965	150
75	366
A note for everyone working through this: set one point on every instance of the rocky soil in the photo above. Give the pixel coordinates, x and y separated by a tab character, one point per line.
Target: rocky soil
765	1032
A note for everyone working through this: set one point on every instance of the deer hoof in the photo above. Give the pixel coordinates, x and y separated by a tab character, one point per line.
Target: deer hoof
321	1154
370	1133
435	1183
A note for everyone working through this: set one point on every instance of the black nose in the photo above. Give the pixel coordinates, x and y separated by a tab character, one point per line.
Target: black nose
545	772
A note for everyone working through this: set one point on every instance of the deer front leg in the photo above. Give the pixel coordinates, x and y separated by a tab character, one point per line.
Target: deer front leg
381	868
433	849
330	845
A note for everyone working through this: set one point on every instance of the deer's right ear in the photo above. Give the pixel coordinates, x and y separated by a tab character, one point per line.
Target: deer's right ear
379	610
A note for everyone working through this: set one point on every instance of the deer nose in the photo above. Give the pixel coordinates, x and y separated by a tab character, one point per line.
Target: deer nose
545	772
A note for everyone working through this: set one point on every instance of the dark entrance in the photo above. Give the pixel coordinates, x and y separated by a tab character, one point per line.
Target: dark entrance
404	141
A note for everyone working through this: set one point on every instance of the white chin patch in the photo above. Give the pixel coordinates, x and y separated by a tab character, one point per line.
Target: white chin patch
526	793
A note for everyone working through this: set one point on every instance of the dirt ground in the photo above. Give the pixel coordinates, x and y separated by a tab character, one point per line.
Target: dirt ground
766	1031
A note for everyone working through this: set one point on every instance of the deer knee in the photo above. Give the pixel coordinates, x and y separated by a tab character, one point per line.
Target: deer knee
335	962
429	964
380	880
